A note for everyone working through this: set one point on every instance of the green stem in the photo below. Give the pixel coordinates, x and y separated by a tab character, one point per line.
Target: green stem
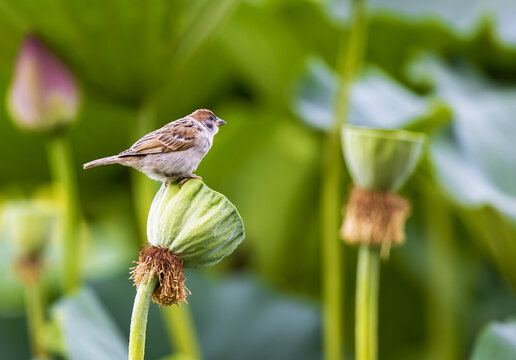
331	249
35	318
139	318
179	324
443	283
61	163
350	57
366	306
179	320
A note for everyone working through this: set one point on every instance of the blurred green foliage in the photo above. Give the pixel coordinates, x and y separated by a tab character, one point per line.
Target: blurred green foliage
437	66
496	342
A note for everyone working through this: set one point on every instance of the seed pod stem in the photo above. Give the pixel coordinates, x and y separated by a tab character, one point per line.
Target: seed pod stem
139	317
34	306
331	251
366	303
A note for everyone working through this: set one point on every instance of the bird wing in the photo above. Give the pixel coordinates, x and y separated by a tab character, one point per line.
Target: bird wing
178	135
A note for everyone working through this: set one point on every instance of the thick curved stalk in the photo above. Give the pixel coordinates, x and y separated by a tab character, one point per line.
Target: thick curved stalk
61	163
139	319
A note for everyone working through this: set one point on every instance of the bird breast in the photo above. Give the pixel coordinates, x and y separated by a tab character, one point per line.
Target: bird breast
167	165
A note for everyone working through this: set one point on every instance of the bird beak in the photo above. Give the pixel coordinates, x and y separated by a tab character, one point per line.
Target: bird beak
220	122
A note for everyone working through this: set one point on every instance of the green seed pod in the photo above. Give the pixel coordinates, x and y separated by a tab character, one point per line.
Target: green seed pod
194	222
28	225
381	159
192	226
380	162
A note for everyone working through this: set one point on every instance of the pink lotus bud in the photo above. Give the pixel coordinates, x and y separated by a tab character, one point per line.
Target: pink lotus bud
43	94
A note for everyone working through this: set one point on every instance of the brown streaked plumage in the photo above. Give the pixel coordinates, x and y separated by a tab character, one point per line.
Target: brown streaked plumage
171	152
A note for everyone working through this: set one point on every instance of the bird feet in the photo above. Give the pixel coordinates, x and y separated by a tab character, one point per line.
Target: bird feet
186	177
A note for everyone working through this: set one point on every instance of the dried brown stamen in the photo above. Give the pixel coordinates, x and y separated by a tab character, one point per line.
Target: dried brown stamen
168	268
375	218
28	269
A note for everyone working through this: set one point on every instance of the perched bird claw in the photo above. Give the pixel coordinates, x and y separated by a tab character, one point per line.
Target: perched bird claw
187	177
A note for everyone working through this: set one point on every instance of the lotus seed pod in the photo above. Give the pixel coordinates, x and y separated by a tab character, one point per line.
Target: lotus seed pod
191	226
194	222
28	225
381	160
43	95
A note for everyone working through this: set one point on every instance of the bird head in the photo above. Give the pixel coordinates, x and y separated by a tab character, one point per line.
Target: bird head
208	119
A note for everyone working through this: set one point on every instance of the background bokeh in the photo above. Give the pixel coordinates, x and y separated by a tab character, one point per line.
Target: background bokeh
447	68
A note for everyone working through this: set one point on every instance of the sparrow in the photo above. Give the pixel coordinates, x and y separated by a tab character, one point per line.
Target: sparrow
172	152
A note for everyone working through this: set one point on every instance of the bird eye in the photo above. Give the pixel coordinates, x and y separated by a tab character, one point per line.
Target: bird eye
212	117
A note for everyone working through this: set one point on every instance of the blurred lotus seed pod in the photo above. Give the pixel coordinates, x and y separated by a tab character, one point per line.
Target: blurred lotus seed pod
381	159
196	223
380	162
43	95
29	225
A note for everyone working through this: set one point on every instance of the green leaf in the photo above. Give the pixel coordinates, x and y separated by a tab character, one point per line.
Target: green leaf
463	180
127	57
462	16
468	155
264	50
377	100
87	328
496	342
475	159
14	342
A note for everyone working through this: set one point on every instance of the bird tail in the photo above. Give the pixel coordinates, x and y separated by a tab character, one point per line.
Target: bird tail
104	161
